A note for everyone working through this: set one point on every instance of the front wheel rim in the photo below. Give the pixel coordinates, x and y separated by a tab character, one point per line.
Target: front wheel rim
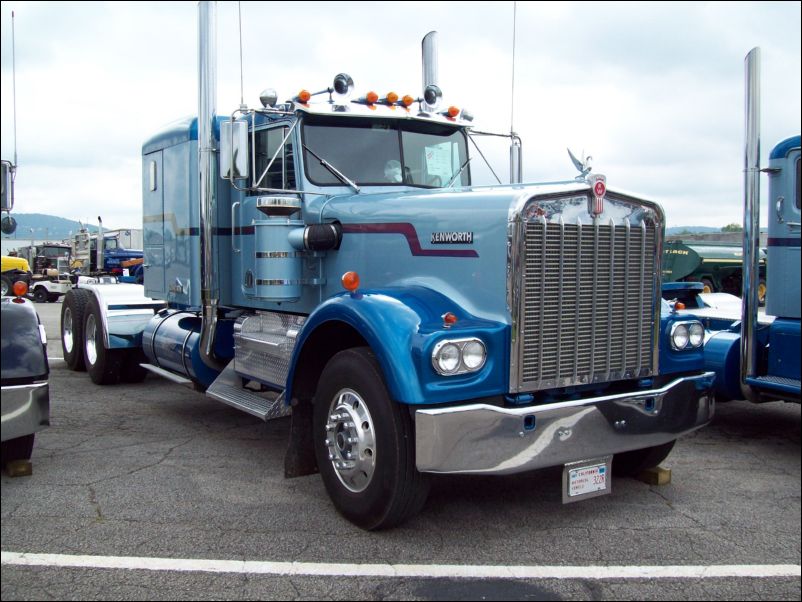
91	343
350	440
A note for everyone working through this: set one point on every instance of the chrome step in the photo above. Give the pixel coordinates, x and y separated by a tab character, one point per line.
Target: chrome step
176	378
228	388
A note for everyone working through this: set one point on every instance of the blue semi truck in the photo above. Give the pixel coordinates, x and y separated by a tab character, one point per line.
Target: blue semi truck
329	257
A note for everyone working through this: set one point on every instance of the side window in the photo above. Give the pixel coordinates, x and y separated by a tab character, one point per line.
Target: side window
798	182
282	171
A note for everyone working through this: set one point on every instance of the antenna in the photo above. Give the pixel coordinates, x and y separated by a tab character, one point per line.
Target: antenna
241	85
14	88
512	92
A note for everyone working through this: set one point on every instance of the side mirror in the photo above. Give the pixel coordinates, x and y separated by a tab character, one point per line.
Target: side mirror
7	185
8	225
234	150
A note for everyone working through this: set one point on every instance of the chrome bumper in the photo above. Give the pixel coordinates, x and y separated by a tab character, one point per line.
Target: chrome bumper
26	410
486	439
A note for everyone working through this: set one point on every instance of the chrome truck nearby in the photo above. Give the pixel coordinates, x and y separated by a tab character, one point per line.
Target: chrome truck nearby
330	257
757	357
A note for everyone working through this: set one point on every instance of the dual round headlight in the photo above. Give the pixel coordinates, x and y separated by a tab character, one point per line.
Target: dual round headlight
459	356
685	335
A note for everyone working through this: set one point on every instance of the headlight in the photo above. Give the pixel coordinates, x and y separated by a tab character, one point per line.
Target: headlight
446	359
697	334
458	356
687	335
473	355
679	336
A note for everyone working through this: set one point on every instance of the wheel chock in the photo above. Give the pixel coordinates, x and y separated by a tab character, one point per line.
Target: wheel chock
19	468
656	476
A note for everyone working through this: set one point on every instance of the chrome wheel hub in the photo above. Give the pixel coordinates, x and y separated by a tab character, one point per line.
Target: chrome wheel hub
351	441
91	344
66	330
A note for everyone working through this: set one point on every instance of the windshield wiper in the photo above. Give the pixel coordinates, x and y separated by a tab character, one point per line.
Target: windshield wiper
456	175
333	169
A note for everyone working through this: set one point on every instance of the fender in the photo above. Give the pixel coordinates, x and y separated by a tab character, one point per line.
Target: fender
402	326
125	311
723	356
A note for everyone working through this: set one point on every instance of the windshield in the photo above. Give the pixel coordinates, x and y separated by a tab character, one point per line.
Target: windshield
53	252
384	152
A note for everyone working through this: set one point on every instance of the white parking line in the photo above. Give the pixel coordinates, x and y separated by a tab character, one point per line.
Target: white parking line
314	569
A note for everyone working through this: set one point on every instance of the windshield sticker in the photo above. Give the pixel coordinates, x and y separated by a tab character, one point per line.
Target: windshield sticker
438	161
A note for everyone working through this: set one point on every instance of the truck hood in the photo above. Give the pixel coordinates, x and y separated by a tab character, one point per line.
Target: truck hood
458	241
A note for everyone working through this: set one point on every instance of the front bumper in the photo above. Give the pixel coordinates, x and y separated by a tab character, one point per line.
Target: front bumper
487	439
26	410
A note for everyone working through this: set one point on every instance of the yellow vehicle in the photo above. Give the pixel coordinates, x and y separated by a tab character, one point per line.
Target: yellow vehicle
13	269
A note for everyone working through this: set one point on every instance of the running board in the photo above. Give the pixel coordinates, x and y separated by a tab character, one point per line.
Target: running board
228	388
176	378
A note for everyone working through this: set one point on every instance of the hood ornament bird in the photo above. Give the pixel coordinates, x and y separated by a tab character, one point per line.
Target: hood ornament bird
583	167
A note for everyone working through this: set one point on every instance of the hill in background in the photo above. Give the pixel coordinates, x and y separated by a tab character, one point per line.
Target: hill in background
45	227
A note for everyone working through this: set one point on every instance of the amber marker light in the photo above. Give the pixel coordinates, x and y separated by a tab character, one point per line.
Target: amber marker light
407	100
453	111
449	319
371	97
20	289
304	96
679	305
350	281
392	98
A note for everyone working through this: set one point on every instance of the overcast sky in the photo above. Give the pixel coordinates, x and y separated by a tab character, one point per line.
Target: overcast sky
653	91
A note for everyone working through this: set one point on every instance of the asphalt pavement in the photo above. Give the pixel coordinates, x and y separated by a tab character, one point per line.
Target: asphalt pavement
150	491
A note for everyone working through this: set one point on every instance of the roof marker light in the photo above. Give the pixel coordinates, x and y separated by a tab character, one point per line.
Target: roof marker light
303	96
407	100
391	98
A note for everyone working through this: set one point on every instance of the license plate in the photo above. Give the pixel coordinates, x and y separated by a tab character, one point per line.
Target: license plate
586	479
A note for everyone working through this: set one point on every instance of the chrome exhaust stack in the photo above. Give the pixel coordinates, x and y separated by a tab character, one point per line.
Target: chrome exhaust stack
207	99
430	59
751	221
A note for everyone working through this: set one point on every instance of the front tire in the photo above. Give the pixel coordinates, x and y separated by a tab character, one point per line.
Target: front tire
632	463
103	365
40	294
365	444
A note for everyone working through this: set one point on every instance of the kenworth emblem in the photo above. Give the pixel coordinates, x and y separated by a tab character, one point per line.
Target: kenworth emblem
452	238
599	185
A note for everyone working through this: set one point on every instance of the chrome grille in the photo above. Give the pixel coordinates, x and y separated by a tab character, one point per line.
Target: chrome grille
587	308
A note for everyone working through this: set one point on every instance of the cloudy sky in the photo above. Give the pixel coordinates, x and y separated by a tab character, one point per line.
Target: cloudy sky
653	91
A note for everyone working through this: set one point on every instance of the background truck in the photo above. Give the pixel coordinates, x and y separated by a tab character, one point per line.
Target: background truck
329	257
118	258
718	266
50	274
757	357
